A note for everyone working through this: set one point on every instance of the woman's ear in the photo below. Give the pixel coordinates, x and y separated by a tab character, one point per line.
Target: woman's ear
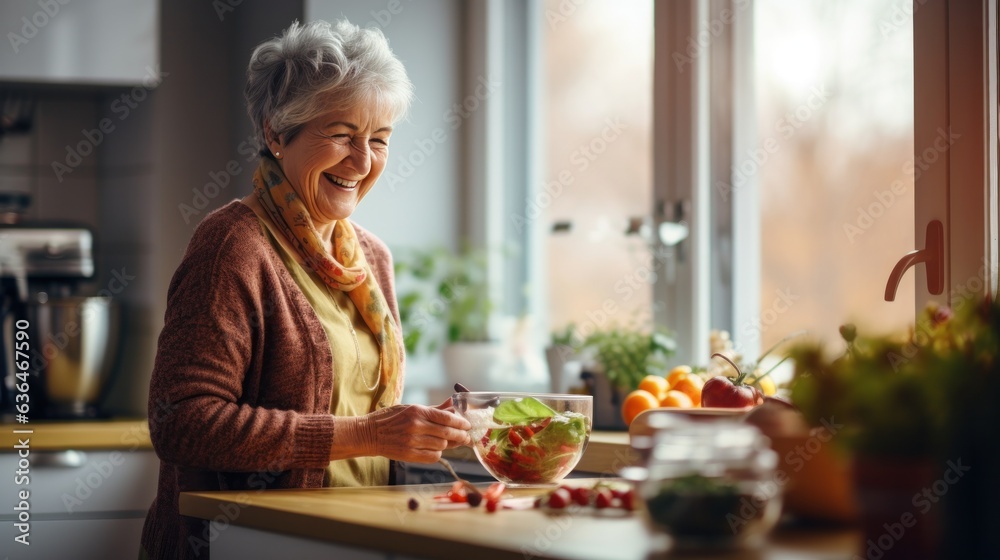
275	145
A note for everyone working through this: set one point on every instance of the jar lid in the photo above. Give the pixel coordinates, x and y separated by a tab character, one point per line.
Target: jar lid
680	447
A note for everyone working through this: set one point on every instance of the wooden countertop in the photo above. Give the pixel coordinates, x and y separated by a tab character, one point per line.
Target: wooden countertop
82	434
378	518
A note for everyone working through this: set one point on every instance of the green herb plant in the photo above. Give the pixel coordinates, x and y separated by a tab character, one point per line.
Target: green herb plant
443	297
906	396
628	354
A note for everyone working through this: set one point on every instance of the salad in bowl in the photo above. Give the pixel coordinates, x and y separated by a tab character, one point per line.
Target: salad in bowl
527	438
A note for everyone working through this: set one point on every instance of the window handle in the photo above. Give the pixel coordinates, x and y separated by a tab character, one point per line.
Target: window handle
932	255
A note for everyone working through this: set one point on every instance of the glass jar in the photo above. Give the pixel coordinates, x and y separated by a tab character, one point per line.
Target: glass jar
707	484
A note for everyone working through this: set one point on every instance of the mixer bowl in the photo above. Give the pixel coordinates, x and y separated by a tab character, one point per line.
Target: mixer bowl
78	342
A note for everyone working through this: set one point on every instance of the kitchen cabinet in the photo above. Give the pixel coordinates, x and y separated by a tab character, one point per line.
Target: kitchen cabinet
98	42
79	539
86	502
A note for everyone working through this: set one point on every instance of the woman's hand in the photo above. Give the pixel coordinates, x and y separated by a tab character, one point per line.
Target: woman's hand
405	432
447	405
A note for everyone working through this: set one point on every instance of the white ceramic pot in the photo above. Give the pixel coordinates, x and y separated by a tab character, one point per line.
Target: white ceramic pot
470	363
564	367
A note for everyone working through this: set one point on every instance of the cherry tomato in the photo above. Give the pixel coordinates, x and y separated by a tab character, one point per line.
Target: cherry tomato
603	499
513	437
560	498
628	500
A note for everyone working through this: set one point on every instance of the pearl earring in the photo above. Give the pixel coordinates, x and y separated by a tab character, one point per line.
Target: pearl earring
277	154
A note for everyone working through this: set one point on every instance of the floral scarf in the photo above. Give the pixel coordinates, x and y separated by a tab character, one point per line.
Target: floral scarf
346	270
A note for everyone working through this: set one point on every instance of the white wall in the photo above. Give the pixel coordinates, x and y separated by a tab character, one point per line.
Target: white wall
417	201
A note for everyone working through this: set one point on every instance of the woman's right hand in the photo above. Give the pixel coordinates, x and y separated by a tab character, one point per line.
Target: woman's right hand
416	433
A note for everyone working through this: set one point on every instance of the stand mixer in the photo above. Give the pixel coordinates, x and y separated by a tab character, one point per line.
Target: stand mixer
73	339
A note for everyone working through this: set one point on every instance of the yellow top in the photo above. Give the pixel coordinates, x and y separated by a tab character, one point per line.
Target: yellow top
352	393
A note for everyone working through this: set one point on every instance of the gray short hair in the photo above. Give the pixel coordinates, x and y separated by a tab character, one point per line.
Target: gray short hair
293	78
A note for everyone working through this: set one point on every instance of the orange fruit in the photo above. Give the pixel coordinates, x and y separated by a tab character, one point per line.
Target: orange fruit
655	385
677	373
677	399
691	386
637	401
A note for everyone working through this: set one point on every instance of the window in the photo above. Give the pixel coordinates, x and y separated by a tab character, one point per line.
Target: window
834	114
597	119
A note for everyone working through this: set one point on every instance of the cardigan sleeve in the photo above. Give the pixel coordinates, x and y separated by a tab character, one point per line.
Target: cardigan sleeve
197	419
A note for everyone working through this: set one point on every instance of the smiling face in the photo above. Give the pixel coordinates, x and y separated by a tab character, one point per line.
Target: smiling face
334	160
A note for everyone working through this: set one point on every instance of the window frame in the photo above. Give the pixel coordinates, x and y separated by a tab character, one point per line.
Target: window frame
955	90
698	132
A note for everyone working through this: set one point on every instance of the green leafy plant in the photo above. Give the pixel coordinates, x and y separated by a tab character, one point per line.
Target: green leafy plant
904	396
444	296
628	354
565	336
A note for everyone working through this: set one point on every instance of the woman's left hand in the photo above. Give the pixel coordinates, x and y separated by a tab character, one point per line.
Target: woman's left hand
449	407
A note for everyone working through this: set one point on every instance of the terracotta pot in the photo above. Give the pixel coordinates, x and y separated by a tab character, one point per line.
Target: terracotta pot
899	522
819	479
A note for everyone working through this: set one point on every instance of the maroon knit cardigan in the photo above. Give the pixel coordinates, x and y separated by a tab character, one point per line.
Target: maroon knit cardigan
240	393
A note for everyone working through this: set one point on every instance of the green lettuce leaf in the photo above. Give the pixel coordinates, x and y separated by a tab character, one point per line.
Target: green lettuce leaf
522	411
566	429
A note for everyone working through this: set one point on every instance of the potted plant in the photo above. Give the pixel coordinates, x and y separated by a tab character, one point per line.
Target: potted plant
913	408
445	304
621	357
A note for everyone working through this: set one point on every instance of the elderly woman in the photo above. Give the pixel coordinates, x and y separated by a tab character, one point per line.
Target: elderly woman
280	364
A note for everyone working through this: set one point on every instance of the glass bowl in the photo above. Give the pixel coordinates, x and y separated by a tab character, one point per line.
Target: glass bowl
527	439
707	485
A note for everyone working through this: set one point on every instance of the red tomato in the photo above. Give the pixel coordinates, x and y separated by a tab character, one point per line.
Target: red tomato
560	499
603	499
724	392
513	437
